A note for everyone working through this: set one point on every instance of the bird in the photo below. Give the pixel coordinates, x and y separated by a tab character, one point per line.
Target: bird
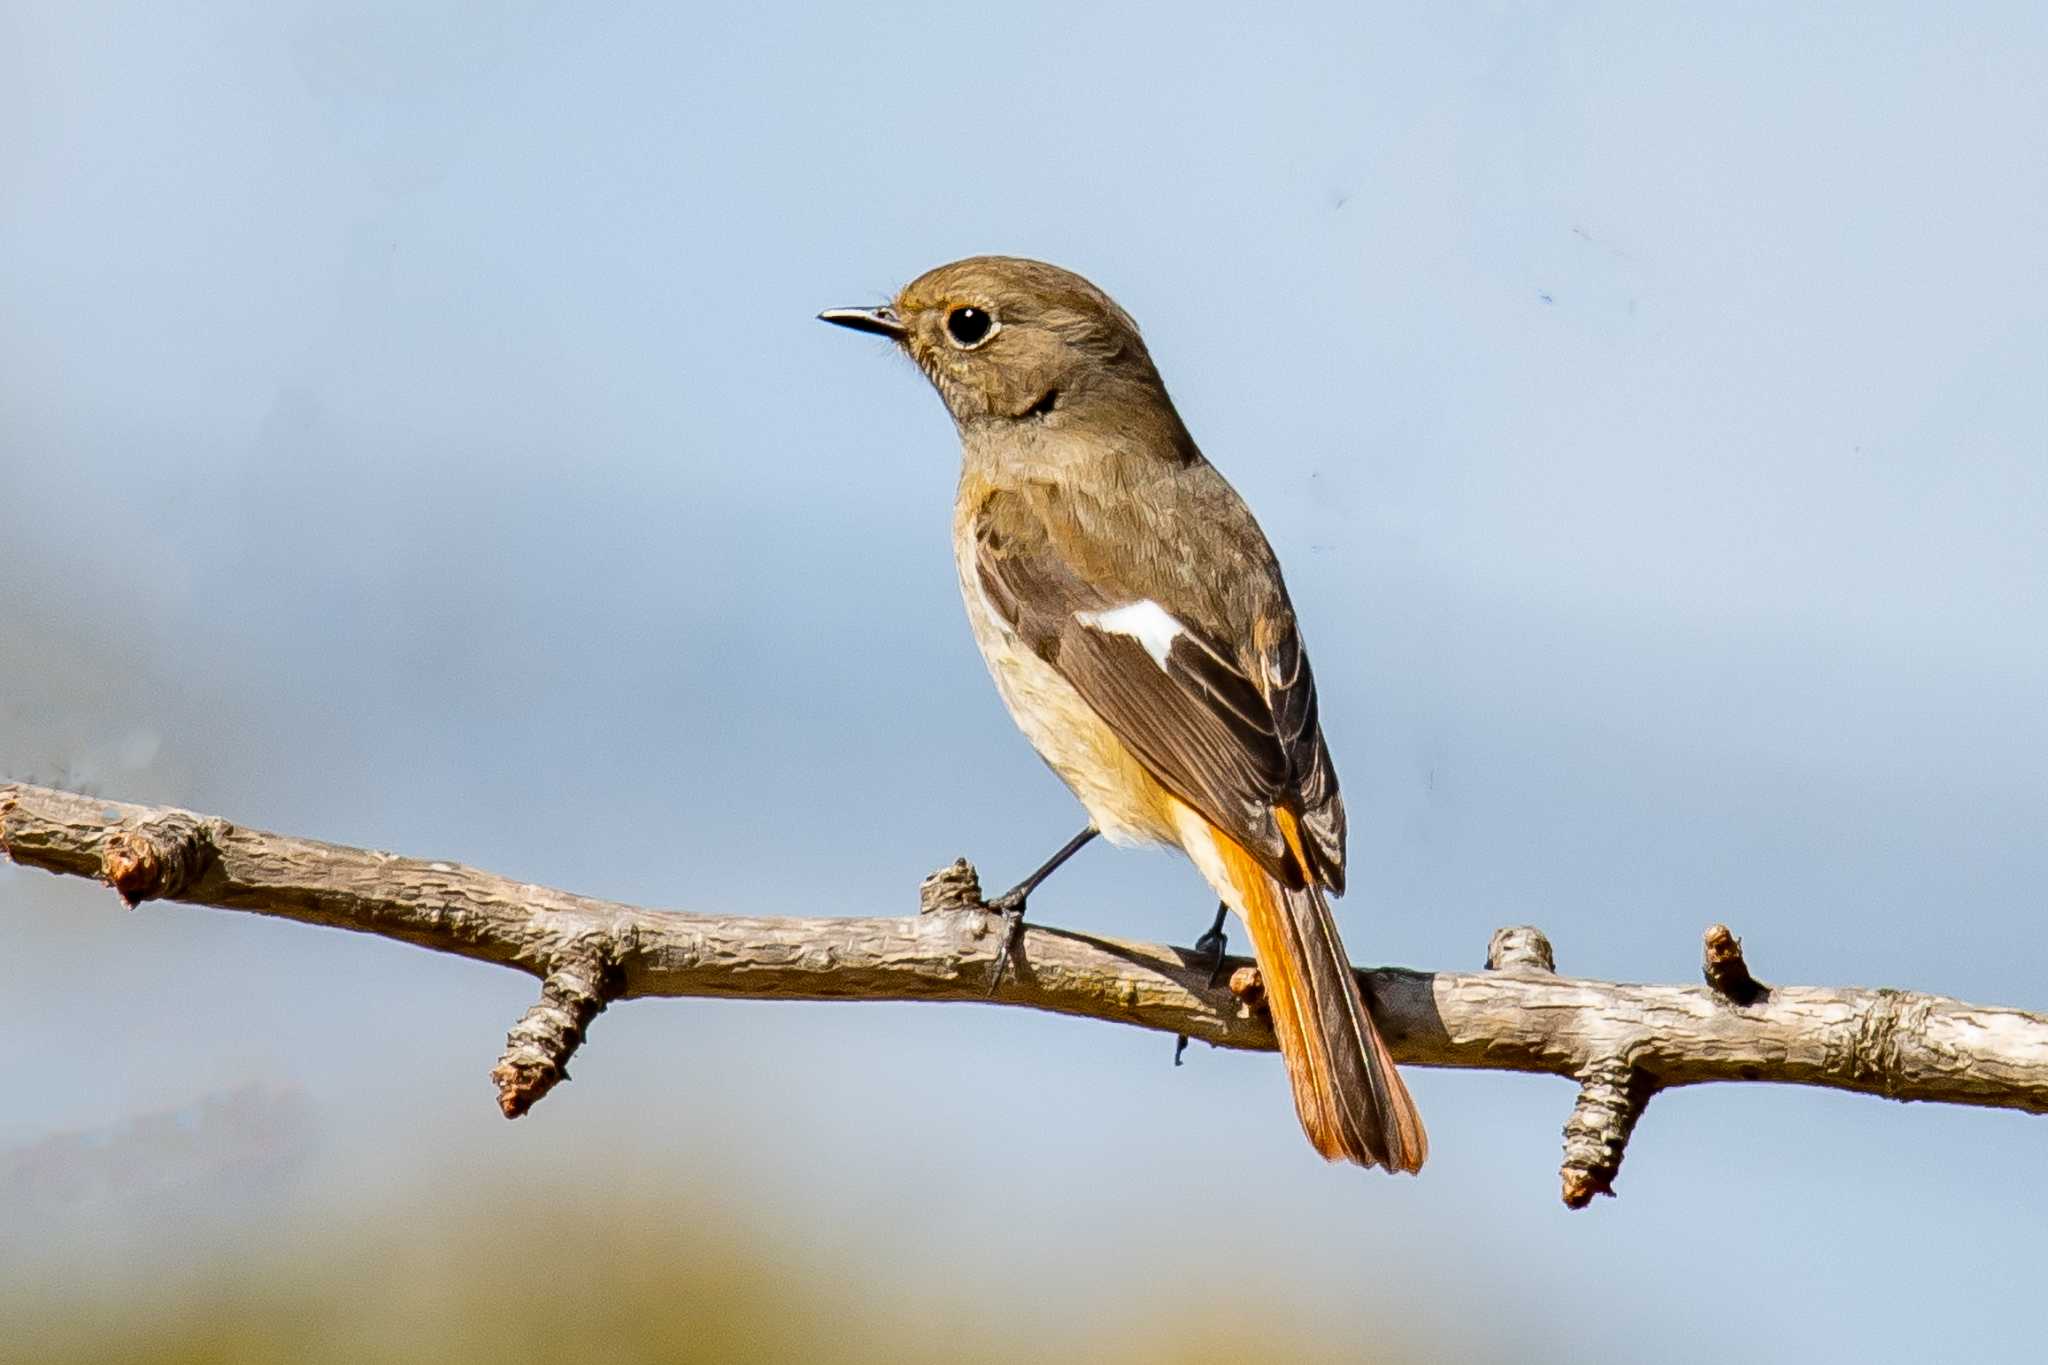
1134	618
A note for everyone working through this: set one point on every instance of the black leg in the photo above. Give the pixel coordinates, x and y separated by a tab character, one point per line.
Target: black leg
1212	943
1014	898
1010	905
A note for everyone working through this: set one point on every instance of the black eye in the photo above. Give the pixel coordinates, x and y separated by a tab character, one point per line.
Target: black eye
969	326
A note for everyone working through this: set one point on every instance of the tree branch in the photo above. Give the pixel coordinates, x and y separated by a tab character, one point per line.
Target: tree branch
1621	1043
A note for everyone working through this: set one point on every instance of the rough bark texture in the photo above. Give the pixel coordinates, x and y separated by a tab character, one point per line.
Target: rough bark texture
1621	1043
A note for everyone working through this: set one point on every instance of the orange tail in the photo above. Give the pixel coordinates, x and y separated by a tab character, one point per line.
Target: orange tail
1352	1103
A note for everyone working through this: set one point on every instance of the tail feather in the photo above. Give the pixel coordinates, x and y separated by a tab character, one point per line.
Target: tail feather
1352	1102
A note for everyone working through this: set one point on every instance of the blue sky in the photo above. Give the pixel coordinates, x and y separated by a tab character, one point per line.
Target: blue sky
414	432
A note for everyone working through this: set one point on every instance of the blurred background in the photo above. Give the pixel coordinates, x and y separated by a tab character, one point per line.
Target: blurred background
414	432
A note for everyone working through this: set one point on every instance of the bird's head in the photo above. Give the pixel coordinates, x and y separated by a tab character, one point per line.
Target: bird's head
1007	340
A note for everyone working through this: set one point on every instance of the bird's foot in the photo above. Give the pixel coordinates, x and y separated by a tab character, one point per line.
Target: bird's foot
1009	908
1213	943
1010	905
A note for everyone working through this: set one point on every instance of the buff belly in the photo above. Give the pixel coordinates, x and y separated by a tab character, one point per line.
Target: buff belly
1122	799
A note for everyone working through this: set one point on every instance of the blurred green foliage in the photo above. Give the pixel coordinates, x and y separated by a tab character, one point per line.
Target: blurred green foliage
189	1237
606	1279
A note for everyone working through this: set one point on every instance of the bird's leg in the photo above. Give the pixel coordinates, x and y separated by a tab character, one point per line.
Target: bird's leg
1010	905
1013	899
1212	943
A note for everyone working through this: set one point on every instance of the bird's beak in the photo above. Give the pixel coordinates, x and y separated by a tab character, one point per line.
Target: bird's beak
880	321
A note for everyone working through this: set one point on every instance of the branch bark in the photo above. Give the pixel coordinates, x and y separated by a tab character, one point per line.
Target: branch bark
1622	1043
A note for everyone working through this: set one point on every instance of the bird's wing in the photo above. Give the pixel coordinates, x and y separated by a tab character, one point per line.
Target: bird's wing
1290	690
1228	726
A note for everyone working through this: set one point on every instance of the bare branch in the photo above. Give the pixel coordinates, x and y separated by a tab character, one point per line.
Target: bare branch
1520	946
1724	968
1612	1096
1621	1043
538	1047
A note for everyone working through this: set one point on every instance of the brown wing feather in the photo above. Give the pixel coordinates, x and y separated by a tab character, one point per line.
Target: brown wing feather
1235	744
1291	692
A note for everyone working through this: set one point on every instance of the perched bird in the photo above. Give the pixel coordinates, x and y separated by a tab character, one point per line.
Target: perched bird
1136	624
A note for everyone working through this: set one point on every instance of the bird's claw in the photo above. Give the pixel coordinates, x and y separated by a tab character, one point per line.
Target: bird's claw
1009	908
1213	943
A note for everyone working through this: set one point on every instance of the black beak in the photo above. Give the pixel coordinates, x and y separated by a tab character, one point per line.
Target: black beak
883	322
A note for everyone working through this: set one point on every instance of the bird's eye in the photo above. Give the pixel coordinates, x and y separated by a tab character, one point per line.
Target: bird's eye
969	327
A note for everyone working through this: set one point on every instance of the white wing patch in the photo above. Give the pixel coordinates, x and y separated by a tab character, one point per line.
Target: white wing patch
1150	624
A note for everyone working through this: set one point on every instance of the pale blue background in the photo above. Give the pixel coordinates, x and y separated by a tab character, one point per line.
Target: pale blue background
413	432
